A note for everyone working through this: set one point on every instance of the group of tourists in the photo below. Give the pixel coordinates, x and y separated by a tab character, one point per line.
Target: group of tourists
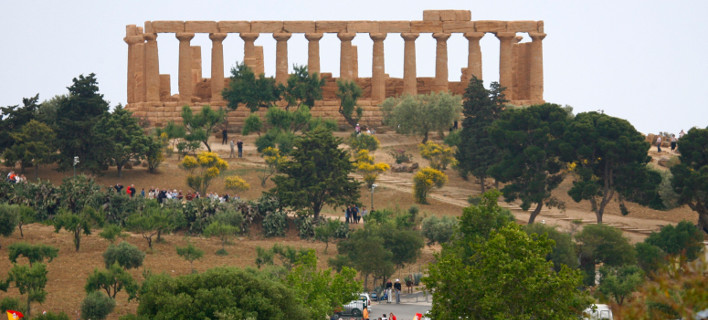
352	214
162	195
238	145
12	177
393	289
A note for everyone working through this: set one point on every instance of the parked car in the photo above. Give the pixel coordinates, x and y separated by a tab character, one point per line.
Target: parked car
354	308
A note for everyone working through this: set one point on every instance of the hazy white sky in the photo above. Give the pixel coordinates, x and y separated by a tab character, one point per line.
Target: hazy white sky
643	61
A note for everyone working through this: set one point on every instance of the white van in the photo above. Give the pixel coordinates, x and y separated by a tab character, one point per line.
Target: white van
598	312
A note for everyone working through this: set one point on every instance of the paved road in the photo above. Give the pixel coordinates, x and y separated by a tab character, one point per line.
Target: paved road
410	305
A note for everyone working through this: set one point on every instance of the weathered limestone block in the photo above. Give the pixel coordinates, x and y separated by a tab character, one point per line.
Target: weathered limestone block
330	26
458	26
201	26
447	15
234	26
539	26
260	62
363	26
196	64
394	26
165	90
490	26
522	26
426	26
298	26
148	27
266	26
168	26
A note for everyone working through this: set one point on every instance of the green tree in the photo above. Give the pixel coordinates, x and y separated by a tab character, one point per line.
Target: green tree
223	231
438	229
77	223
620	282
111	232
33	252
229	292
649	257
405	245
252	123
75	125
15	117
316	174
530	165
248	89
111	280
322	290
30	281
440	156
602	244
190	253
475	152
564	252
364	250
96	306
608	156
422	114
123	138
303	88
124	254
77	193
150	222
691	175
200	126
348	93
8	219
25	215
683	239
33	146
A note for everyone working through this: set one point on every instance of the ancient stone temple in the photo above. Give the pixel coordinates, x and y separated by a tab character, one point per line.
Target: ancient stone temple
150	95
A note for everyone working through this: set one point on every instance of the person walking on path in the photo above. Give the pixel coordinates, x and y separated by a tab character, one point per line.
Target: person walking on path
397	287
673	142
233	151
224	136
239	144
389	291
658	144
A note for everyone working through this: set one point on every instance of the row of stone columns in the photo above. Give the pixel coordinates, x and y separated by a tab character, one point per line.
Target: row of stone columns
144	48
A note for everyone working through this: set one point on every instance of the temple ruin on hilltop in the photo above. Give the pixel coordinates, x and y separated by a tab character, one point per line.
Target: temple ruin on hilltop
150	95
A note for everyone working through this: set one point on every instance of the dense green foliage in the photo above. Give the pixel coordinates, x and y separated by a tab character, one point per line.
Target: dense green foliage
602	244
564	252
111	280
29	281
220	292
124	254
33	252
608	156
438	229
316	174
122	138
620	282
77	223
422	114
504	274
475	151
190	253
8	219
249	89
348	93
96	306
33	146
200	126
691	175
529	140
303	88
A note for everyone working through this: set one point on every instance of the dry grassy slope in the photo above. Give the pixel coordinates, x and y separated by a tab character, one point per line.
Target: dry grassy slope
68	272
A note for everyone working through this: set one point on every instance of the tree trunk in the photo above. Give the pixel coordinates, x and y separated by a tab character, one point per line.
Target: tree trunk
36	172
703	220
120	170
207	145
19	226
425	137
29	304
535	212
481	184
77	239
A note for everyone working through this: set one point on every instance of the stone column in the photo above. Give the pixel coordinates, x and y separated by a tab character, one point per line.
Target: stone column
378	71
346	71
536	66
410	83
185	66
249	50
281	57
474	57
313	52
440	82
132	55
152	68
217	65
506	43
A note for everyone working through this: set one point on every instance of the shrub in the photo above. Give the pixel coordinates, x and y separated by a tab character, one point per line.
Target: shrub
125	254
363	141
438	230
305	224
685	238
669	197
275	223
96	306
424	181
401	156
52	316
9	303
440	156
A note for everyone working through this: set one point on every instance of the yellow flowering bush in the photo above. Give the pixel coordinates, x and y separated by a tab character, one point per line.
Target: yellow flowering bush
440	156
237	184
202	169
366	167
424	181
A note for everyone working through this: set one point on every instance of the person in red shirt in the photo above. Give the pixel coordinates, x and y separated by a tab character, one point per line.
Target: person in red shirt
391	316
